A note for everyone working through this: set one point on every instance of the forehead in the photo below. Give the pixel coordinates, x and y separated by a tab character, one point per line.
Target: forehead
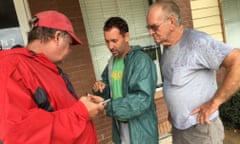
154	15
113	33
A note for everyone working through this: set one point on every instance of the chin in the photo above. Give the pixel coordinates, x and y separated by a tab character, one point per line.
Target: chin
115	54
157	42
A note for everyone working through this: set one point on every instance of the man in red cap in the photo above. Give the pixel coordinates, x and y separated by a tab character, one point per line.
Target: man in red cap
37	101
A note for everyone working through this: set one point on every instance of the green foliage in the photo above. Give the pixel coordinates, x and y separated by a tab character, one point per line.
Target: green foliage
230	112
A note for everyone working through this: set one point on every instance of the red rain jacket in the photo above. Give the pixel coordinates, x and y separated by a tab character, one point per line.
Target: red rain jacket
21	120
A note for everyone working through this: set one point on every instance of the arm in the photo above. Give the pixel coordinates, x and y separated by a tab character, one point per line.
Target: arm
21	121
230	85
101	88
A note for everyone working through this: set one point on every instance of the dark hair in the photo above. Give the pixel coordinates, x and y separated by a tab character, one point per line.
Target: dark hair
118	23
43	33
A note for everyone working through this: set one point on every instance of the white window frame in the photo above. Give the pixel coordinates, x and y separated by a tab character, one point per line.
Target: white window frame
231	14
23	15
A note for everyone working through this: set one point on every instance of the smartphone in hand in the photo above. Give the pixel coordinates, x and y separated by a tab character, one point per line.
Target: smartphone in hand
105	101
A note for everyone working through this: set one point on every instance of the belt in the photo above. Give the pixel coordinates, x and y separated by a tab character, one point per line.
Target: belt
213	120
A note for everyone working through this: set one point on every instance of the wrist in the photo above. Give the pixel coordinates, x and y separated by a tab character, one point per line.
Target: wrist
216	103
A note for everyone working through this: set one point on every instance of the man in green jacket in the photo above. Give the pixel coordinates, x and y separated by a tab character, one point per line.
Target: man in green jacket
129	80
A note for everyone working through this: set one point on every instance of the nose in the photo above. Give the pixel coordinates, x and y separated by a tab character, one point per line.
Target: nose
110	45
151	32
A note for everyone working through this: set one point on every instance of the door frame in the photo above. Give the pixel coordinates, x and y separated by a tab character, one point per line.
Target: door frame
23	15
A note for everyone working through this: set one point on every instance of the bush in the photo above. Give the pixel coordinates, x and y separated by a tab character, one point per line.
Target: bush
230	112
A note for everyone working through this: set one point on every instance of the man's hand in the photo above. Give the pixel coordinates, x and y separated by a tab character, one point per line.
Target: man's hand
204	111
98	86
92	107
94	98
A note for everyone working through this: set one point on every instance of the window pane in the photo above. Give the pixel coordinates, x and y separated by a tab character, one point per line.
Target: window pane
231	15
10	34
7	14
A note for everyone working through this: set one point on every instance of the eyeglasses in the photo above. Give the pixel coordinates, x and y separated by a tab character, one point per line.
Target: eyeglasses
154	27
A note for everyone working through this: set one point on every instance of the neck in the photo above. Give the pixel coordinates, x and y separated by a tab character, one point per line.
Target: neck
35	46
128	48
175	36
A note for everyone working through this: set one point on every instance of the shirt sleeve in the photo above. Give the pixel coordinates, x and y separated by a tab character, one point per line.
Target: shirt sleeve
210	52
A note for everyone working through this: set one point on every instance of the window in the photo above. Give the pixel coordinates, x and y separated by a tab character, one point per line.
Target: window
155	52
10	31
231	16
96	12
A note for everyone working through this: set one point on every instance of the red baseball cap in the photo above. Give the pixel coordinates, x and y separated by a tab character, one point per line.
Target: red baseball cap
56	20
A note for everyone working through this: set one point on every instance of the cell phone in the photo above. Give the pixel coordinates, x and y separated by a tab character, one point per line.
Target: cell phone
105	101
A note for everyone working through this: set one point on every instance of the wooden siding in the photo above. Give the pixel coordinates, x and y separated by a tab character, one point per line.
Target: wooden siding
206	17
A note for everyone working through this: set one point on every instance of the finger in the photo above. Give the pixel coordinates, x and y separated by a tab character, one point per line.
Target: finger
96	86
94	89
199	118
101	107
195	111
206	118
208	121
202	119
100	89
96	97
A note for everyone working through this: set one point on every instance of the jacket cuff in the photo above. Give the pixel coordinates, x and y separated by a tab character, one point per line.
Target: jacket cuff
80	109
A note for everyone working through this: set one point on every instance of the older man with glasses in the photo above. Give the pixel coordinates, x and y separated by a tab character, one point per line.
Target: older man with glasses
189	63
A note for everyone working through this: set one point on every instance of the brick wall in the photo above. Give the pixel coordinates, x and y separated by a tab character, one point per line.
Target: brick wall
79	64
185	12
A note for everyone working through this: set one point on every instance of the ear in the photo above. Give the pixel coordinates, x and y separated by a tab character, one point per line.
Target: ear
57	36
173	20
127	36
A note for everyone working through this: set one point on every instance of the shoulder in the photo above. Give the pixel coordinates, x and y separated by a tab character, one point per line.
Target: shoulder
14	58
201	39
139	57
138	52
196	34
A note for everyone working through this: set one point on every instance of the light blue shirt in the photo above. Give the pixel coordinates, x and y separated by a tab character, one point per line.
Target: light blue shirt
189	70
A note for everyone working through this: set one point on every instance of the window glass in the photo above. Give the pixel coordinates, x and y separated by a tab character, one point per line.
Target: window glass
10	33
7	14
231	16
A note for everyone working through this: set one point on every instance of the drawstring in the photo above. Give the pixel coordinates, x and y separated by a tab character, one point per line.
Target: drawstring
67	82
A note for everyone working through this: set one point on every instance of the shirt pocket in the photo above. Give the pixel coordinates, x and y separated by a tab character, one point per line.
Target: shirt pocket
180	76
